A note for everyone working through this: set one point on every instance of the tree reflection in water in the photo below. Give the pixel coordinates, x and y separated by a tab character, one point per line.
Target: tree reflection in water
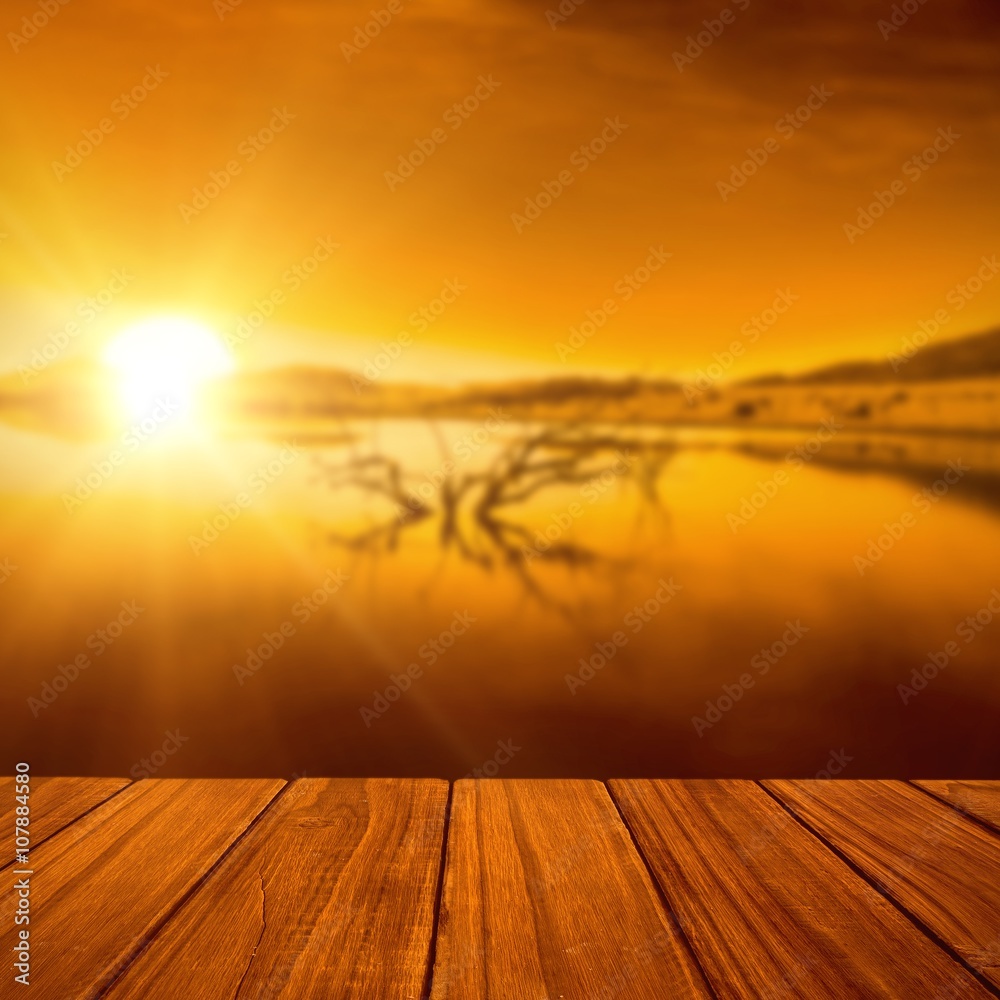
483	515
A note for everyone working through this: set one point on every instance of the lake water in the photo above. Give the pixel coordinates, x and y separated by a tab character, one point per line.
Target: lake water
409	599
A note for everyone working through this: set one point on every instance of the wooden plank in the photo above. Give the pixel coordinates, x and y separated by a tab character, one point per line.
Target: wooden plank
935	862
977	798
545	896
332	894
105	884
770	911
54	803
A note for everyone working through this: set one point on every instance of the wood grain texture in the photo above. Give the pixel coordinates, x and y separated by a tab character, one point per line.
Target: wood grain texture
332	894
105	883
935	862
54	803
770	911
545	897
977	798
218	889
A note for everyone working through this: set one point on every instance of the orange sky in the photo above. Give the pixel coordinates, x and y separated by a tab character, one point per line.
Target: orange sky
323	175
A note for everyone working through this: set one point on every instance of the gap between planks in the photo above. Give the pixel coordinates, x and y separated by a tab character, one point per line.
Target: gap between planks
154	933
919	924
664	899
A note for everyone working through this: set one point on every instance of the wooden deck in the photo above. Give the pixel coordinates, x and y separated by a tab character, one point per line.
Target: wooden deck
508	890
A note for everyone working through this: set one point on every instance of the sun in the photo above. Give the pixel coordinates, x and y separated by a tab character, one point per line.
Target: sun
165	360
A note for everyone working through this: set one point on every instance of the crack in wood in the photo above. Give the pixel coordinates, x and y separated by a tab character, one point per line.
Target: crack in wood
260	937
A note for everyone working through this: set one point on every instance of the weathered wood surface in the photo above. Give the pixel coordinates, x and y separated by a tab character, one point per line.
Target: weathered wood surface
515	890
980	799
545	896
935	862
55	802
104	885
332	894
768	907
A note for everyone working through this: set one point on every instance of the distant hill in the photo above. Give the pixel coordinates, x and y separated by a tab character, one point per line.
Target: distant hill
953	385
959	358
559	390
334	391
